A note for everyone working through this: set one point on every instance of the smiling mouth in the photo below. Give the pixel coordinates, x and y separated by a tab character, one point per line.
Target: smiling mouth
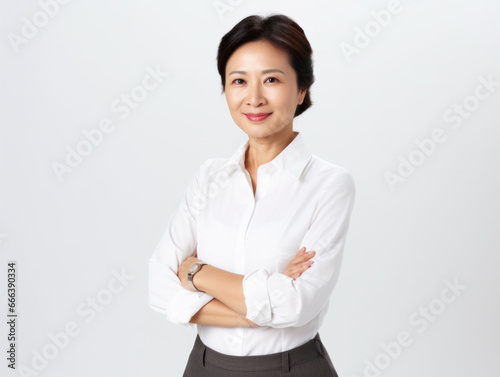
257	117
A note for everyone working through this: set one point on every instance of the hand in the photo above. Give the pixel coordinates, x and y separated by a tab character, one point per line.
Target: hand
299	263
183	270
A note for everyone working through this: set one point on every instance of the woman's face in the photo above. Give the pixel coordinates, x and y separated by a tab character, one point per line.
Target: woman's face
259	80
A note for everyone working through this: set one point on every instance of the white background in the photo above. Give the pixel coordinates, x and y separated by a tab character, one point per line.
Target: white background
108	214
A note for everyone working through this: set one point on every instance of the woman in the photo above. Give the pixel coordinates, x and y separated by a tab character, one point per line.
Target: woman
237	256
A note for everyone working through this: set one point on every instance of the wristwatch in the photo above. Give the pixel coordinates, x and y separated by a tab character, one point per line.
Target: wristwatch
191	272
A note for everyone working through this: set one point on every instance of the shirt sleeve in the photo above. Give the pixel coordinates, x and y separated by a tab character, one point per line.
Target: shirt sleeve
276	300
179	241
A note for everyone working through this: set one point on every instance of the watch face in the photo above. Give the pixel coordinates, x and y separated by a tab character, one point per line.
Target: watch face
193	268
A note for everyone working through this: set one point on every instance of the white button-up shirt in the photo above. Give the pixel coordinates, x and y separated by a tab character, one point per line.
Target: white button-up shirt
300	200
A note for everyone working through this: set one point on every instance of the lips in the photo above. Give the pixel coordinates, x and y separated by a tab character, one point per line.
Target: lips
257	117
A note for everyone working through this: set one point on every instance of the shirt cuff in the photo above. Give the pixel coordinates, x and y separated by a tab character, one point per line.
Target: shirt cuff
257	297
185	305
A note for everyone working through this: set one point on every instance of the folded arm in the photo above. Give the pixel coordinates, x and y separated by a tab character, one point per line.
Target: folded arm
228	287
215	313
177	244
259	298
276	300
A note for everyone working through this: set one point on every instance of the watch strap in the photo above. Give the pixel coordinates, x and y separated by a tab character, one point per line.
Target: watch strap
191	276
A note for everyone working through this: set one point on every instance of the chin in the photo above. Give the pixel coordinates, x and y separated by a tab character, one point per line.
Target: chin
257	130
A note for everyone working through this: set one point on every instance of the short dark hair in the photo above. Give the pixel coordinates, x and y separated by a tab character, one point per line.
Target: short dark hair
285	34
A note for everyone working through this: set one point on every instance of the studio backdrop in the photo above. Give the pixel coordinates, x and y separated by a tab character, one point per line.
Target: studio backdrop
107	108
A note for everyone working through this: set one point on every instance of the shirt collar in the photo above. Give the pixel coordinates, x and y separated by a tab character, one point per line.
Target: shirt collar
292	160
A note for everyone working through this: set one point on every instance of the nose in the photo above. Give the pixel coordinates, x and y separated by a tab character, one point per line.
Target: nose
255	96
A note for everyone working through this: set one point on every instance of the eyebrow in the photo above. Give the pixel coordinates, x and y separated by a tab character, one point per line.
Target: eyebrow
264	71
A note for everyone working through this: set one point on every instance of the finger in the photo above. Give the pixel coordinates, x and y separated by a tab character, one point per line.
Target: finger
305	266
310	254
297	271
304	257
308	264
301	251
294	272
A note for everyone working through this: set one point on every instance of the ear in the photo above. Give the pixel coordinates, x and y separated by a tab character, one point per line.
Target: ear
302	94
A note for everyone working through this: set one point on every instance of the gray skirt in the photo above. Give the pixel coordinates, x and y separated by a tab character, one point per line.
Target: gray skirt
308	360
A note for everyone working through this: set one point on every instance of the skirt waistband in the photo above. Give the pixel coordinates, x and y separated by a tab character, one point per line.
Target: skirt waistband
281	360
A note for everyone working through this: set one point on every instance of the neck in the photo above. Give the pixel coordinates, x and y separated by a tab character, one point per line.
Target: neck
260	152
